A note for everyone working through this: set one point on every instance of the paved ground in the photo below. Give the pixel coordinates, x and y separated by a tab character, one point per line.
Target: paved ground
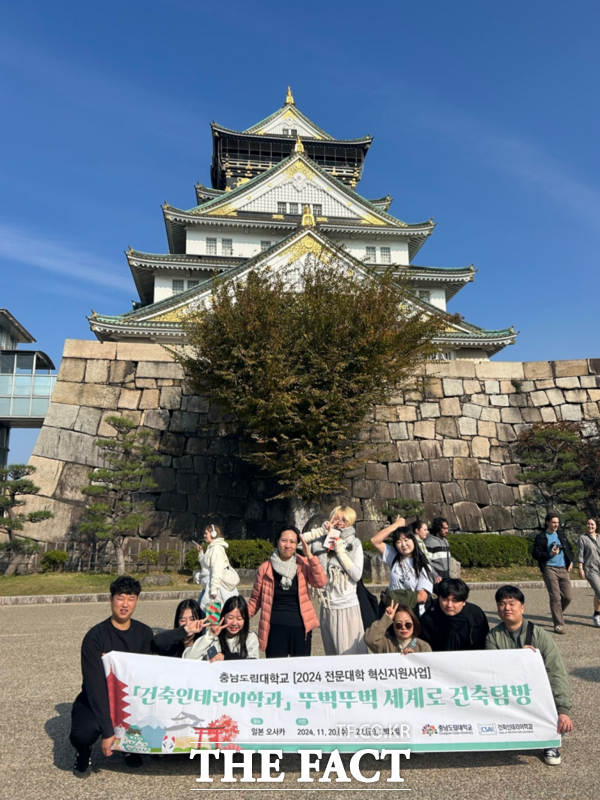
40	678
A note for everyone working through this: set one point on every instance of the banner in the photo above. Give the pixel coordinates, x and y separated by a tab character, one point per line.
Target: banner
482	700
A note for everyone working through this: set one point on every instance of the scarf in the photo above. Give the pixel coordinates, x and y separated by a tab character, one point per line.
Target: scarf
287	569
336	574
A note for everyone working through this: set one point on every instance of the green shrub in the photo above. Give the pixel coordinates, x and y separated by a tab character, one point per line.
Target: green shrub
249	553
54	559
149	557
171	558
190	561
487	550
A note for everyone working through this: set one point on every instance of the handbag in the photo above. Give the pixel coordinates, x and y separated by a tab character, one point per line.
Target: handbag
369	607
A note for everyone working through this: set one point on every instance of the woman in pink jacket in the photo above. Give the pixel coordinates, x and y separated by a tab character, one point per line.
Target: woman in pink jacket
280	591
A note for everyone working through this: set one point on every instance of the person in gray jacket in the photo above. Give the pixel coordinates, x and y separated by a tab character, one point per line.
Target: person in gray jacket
515	632
588	558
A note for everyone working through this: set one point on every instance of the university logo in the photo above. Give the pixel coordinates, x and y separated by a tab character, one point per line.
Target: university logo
487	729
428	730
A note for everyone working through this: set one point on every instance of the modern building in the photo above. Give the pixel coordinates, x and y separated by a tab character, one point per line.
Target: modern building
281	190
26	381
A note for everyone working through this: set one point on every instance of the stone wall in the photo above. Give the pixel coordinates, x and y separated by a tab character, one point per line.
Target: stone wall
447	442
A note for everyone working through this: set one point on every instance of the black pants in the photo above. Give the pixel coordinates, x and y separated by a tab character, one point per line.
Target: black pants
84	727
288	640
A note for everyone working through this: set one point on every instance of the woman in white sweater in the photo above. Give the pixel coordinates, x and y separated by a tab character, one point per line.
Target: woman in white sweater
216	573
341	555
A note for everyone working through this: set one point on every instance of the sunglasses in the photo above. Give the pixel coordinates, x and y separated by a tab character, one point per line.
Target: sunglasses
403	625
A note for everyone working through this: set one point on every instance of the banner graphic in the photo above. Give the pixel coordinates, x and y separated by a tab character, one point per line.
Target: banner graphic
482	700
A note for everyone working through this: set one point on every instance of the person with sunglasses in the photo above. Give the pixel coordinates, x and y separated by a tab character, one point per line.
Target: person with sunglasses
396	632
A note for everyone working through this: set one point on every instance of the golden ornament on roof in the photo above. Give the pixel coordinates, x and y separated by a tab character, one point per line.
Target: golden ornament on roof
289	98
299	147
308	220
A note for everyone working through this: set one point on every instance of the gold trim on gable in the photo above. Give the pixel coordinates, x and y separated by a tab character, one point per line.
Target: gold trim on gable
299	166
307	244
227	210
369	219
175	315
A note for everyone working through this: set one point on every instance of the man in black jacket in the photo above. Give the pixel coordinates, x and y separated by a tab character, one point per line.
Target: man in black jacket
90	715
451	623
552	551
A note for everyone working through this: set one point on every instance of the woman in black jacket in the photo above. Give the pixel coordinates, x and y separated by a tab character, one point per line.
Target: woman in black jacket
188	626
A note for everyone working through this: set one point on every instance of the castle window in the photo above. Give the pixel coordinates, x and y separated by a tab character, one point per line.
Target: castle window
264	245
211	247
178	286
424	295
191	284
386	255
294	208
371	254
227	247
281	208
317	210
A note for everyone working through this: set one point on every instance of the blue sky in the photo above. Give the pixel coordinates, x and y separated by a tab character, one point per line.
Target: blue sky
485	117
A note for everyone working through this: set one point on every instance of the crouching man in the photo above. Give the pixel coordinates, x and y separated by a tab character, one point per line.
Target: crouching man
90	715
515	632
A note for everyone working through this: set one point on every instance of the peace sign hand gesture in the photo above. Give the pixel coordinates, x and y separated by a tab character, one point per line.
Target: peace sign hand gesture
391	609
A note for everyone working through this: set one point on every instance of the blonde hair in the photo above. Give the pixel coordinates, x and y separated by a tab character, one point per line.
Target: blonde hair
218	530
348	512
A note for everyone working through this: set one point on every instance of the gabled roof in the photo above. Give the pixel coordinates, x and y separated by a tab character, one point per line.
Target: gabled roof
204	193
289	111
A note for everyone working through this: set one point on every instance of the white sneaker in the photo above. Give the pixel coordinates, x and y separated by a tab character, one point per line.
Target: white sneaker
559	629
596	620
552	756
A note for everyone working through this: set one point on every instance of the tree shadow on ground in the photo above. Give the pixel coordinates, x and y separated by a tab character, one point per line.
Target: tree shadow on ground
591	674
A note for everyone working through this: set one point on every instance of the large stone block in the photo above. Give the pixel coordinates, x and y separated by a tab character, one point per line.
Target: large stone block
424	429
72	480
401	473
157	419
451	369
385	490
472	386
170	397
129	398
377	472
480	447
134	351
433	388
363	489
431	450
467	426
386	413
499	400
432	492
480	399
469	517
421	471
492	387
505	432
88	420
576	396
171	444
379	433
183	525
122	372
455	448
465	468
71	370
497	518
407	413
166	479
439	469
477	492
446	426
409	451
499	370
510	472
86	394
409	491
47	474
159	369
567	369
555	396
105	429
472	410
187	483
96	371
184	422
453	387
537	369
490	414
568	383
548	414
490	472
531	415
525	517
590	411
65	517
61	415
450	407
171	501
511	415
571	413
398	430
499	455
429	410
486	429
64	445
150	398
589	381
82	348
501	495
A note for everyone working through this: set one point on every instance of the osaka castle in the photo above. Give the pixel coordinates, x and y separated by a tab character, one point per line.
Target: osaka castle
281	190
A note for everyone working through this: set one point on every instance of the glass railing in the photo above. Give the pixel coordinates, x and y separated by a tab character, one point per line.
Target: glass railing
26	384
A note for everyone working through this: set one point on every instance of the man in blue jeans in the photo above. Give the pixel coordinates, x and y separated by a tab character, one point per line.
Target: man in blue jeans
552	551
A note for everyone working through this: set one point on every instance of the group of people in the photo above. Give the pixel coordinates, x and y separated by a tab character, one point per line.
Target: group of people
423	609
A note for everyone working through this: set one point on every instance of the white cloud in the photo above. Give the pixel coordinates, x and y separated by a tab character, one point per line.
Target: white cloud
55	256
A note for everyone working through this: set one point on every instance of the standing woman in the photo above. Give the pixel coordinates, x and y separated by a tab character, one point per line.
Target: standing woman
411	580
280	591
588	557
188	627
341	555
216	573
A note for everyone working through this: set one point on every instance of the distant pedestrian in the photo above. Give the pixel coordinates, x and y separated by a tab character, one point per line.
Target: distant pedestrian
588	557
552	551
452	623
421	532
439	549
218	577
515	633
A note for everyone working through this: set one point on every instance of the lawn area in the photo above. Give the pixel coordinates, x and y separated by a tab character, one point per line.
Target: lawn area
77	583
504	574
